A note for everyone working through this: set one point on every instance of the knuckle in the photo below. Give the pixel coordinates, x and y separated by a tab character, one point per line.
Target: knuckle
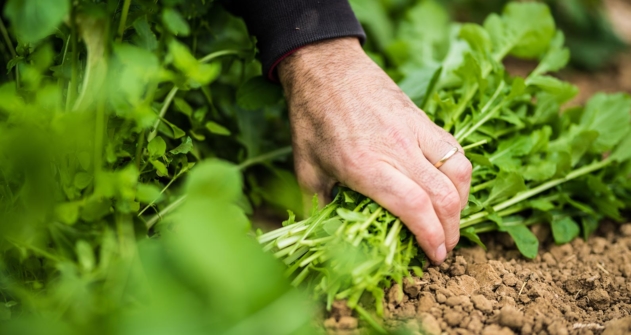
416	199
447	200
463	171
400	138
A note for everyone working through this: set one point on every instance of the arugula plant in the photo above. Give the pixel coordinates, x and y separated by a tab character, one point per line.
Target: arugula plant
105	108
533	162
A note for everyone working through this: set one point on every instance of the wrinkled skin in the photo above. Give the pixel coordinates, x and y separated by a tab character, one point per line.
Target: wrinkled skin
353	125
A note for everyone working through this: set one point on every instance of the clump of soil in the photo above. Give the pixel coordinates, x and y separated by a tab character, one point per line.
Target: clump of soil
578	288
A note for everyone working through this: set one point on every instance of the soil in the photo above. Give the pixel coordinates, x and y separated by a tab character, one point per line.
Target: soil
582	288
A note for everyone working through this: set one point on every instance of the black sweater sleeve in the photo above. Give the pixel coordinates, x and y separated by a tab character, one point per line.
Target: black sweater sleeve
282	26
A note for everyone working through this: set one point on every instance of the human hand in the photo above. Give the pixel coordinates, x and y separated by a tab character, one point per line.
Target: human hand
352	124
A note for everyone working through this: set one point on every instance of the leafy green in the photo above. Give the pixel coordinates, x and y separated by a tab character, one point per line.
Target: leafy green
564	230
257	93
525	240
36	19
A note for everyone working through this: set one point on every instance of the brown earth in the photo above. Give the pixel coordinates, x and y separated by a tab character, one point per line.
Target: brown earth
578	288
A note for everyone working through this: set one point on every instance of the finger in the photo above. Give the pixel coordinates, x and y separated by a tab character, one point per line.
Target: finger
405	199
443	195
457	168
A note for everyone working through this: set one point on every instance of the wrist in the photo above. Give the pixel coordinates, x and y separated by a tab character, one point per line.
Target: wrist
321	59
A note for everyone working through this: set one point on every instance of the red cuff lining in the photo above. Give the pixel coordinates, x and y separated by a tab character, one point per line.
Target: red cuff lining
271	74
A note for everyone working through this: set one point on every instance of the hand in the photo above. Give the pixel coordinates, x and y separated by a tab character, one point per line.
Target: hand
352	124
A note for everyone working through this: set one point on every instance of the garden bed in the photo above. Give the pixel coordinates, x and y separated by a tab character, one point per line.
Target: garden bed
583	287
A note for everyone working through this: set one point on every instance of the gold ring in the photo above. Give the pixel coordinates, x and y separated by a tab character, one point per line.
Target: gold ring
448	155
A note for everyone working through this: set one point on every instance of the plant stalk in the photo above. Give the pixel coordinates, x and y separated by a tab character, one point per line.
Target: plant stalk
466	222
7	39
123	21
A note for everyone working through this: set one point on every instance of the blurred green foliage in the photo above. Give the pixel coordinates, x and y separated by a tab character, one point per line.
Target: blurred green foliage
106	107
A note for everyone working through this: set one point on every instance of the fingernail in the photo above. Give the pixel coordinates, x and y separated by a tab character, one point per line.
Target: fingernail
440	254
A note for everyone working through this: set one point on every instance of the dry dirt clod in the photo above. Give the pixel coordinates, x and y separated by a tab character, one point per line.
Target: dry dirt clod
412	286
340	309
618	327
511	317
510	279
457	301
426	302
407	311
459	266
484	274
395	295
482	303
557	328
453	318
347	323
330	323
428	324
599	299
497	330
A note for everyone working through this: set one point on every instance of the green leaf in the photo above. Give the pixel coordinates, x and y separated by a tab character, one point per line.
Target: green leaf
85	255
214	179
556	58
68	212
183	106
257	93
477	37
471	235
349	215
33	20
174	22
374	18
541	204
14	62
561	91
564	230
198	73
622	152
145	38
610	116
590	224
146	193
82	180
541	171
217	129
330	226
508	149
161	169
157	147
531	25
525	240
506	185
417	84
479	159
171	130
185	147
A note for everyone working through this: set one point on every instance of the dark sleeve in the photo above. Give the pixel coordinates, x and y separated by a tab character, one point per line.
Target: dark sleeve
283	26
